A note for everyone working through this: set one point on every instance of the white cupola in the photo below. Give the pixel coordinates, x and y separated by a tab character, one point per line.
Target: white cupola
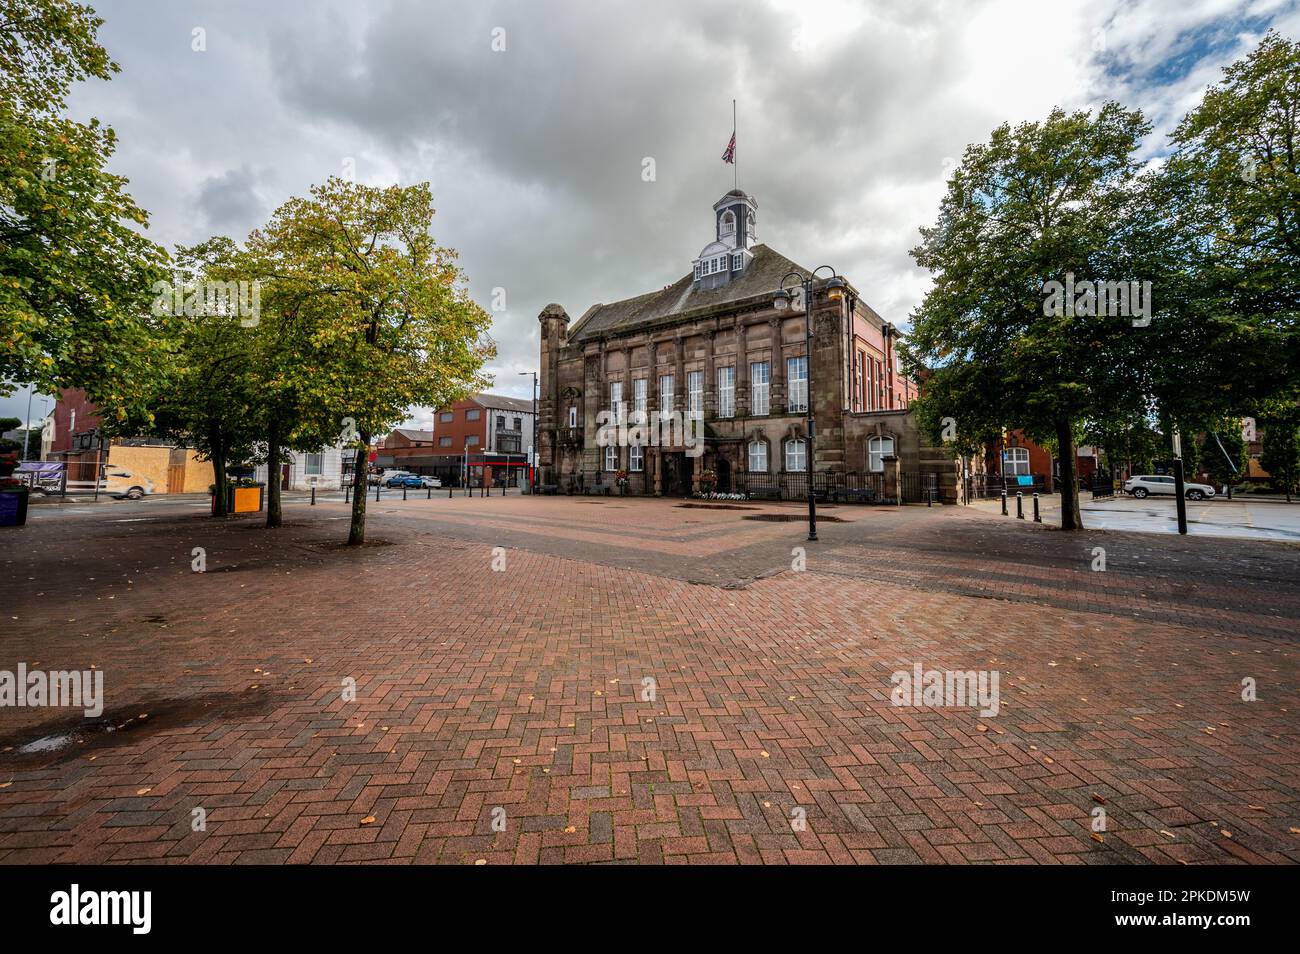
729	253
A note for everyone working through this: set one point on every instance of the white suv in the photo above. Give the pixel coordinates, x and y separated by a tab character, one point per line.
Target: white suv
1142	486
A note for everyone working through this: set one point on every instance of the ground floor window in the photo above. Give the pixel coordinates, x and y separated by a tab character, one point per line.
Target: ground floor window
1015	462
312	466
757	457
636	459
796	456
611	458
878	448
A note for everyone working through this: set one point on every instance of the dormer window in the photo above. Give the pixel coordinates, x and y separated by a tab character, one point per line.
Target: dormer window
737	261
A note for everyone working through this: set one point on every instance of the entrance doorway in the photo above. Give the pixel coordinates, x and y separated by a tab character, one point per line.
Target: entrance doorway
723	472
678	470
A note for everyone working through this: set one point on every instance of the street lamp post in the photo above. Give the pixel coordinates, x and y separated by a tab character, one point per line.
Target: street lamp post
835	289
532	458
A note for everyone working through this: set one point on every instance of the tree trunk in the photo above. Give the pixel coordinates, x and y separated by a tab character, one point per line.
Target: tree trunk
1071	518
218	448
357	532
273	513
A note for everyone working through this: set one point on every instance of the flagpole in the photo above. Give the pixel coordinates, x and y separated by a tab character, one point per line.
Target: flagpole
735	162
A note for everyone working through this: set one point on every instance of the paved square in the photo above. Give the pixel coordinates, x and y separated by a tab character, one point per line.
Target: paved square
514	699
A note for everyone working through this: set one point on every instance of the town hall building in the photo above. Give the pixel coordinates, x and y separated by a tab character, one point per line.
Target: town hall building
714	346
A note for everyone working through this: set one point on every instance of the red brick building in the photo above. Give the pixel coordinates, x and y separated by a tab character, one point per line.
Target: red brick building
488	434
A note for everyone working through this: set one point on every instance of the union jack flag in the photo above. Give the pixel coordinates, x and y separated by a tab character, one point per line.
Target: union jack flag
730	154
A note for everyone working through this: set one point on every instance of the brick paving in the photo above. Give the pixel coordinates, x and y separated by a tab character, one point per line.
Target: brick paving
513	699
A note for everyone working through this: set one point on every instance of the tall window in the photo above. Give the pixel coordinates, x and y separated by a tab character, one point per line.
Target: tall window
312	466
636	458
796	376
639	395
573	417
611	457
1015	462
796	456
665	394
726	392
858	393
695	392
878	448
616	401
757	457
758	385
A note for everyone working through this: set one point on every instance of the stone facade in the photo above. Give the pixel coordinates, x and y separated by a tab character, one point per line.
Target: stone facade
712	337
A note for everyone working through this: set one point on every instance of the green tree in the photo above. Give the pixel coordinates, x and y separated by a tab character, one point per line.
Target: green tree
75	272
1232	188
377	313
1280	454
208	392
1034	203
1223	451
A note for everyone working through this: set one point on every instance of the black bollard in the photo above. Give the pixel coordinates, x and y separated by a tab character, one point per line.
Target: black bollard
313	495
1037	518
1004	502
1020	506
403	491
347	492
377	486
929	496
429	494
449	491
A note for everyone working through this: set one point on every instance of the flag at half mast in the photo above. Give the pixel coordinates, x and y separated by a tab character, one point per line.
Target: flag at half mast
730	154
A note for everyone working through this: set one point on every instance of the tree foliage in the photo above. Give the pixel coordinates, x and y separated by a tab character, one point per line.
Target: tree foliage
374	315
75	271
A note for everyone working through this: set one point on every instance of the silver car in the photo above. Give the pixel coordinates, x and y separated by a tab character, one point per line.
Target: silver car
1148	484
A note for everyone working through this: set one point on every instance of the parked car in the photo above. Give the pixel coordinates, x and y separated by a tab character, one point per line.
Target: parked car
396	478
1144	485
122	483
419	481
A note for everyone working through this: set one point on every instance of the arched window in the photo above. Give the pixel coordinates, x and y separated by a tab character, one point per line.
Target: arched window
878	448
728	223
1015	462
796	456
758	457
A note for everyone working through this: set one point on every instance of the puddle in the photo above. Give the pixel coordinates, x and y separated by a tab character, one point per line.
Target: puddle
73	737
49	743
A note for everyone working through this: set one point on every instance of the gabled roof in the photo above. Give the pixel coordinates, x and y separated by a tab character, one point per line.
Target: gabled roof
498	402
760	278
411	434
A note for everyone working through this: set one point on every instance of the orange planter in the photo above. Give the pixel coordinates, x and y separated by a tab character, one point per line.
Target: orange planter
247	500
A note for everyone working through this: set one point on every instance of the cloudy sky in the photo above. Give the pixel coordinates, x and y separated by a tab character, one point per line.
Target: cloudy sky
533	121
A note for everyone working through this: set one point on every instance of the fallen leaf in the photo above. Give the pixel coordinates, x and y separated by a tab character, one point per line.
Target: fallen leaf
1097	837
144	791
368	820
1098	799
